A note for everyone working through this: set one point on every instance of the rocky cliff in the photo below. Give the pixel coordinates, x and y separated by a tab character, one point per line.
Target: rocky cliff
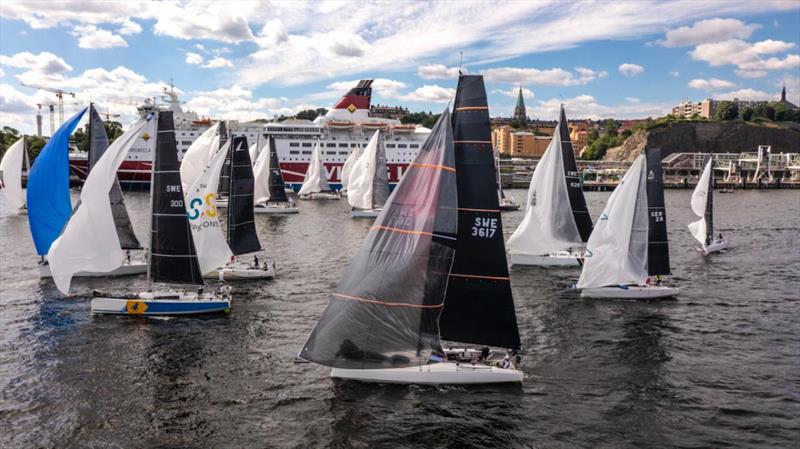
710	137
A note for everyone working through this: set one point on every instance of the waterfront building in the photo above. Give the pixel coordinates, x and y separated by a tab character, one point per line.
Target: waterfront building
708	107
501	139
527	144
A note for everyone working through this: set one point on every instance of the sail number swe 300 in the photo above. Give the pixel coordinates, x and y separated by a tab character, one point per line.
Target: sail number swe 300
484	227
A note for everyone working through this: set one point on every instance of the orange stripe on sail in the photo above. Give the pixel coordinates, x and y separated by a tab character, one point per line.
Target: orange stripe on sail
440	167
478	210
401	231
473	108
389	304
474	276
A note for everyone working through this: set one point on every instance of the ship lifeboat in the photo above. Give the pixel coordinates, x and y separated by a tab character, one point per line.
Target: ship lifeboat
374	125
404	128
341	124
202	122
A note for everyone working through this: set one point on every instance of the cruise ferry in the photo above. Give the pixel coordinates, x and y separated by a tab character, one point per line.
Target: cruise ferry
341	130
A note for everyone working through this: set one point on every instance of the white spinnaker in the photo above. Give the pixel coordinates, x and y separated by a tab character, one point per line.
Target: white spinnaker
616	252
11	169
316	180
89	241
549	224
198	154
348	167
209	240
359	189
261	174
699	198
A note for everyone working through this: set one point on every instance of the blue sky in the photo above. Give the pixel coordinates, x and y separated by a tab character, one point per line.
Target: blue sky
246	59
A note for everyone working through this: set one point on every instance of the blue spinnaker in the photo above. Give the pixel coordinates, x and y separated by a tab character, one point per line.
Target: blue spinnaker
49	206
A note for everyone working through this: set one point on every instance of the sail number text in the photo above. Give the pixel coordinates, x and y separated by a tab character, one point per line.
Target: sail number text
658	215
484	227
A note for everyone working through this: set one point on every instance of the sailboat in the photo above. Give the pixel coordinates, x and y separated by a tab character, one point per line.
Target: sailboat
172	257
270	189
315	185
703	207
11	175
368	188
506	204
242	235
347	168
432	267
629	243
557	221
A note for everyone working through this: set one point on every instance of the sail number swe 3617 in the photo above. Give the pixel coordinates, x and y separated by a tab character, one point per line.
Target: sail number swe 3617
484	227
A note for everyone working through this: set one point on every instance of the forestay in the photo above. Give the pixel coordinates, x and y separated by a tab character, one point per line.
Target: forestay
616	252
198	155
209	240
700	229
316	180
90	241
369	186
383	313
11	175
49	205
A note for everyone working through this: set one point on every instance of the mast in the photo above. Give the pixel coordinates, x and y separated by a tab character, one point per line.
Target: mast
479	306
710	199
657	241
242	235
574	187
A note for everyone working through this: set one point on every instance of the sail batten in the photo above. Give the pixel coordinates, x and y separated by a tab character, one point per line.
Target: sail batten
242	235
479	307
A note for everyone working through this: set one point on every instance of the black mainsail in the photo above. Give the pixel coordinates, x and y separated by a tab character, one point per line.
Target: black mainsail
242	235
98	144
225	175
172	254
574	187
657	243
479	307
383	314
277	186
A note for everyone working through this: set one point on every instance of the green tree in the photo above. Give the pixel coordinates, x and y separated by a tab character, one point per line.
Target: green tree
611	127
8	136
307	114
34	145
746	114
764	110
726	110
81	136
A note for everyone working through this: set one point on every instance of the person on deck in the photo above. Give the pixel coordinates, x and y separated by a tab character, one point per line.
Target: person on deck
507	361
255	261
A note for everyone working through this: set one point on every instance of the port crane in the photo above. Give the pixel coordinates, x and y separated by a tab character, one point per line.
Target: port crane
59	94
51	106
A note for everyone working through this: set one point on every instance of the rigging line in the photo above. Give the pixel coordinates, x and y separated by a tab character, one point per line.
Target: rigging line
475	276
389	304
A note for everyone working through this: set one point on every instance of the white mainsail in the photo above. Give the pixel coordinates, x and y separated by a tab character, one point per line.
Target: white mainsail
616	252
89	241
261	174
256	149
316	180
699	199
209	240
359	193
11	175
549	224
347	168
198	154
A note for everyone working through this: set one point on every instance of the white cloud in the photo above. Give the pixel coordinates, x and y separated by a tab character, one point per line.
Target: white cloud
710	84
633	100
746	94
747	56
193	58
706	31
2	73
382	87
217	63
629	69
237	103
45	62
587	107
549	77
430	94
751	73
674	73
129	27
91	37
438	72
272	33
514	93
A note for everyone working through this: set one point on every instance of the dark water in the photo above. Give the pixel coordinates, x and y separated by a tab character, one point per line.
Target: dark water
718	367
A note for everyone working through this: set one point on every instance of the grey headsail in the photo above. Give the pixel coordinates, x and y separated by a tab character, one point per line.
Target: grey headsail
98	144
277	186
479	307
380	182
574	187
172	254
225	174
657	244
242	235
383	313
709	215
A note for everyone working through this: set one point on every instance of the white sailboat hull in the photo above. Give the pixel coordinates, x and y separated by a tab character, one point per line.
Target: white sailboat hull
365	213
126	269
242	271
160	304
630	292
715	247
321	196
446	373
556	259
272	209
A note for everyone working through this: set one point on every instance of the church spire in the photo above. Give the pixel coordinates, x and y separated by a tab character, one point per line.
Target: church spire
783	94
520	113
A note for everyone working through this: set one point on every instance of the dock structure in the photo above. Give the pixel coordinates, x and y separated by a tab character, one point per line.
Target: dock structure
761	169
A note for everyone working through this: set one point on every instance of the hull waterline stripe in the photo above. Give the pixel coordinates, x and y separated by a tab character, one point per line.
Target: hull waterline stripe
390	304
440	167
466	209
474	276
